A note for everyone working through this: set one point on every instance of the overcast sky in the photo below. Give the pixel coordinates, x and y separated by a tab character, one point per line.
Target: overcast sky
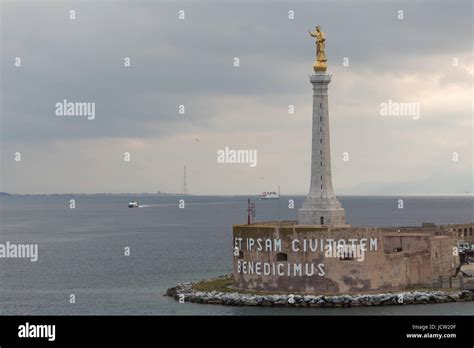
191	62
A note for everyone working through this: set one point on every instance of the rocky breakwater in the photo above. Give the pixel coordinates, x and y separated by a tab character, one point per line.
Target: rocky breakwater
185	292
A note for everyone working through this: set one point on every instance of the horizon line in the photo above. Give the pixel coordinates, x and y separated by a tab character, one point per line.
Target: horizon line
4	193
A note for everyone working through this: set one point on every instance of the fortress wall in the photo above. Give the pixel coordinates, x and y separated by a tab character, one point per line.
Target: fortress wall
418	268
416	242
272	257
338	275
395	276
443	262
463	232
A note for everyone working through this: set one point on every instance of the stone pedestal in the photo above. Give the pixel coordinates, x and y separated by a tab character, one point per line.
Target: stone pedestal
321	206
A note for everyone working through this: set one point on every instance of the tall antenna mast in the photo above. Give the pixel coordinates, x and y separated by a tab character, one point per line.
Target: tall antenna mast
185	186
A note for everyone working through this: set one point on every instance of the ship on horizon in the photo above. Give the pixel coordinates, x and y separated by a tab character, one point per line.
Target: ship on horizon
269	195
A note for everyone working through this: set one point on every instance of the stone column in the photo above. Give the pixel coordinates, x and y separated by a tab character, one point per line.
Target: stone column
321	206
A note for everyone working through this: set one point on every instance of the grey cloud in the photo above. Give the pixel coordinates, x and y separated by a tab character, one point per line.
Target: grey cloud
190	62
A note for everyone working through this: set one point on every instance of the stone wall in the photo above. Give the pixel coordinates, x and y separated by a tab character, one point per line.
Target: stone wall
464	232
442	261
272	257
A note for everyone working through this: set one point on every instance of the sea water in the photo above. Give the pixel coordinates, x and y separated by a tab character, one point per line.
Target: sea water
117	260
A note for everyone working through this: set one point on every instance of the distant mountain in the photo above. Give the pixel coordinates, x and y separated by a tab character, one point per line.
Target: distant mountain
4	194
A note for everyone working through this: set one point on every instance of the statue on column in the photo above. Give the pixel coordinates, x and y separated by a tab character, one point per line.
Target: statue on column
320	63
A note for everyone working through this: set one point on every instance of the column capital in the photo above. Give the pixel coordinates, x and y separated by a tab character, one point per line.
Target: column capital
320	78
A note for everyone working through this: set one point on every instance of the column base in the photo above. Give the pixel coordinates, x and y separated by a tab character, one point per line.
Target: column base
322	217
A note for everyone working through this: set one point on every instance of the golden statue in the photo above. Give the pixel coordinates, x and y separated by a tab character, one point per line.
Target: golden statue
320	63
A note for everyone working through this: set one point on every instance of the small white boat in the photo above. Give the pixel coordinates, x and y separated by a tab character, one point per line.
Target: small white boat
133	204
269	195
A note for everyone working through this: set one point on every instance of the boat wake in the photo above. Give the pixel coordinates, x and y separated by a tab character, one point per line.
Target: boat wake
174	204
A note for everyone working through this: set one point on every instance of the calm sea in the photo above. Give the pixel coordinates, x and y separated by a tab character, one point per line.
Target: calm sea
81	250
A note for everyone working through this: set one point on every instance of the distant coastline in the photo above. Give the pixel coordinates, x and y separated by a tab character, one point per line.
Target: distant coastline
6	194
